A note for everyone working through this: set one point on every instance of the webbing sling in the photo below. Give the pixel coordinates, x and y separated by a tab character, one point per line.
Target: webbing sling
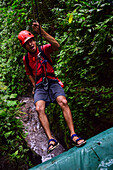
42	53
45	57
42	74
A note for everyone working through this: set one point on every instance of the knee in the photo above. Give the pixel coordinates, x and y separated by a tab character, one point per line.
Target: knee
40	108
63	103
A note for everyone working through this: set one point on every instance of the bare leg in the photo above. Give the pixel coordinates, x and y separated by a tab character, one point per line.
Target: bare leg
40	108
68	116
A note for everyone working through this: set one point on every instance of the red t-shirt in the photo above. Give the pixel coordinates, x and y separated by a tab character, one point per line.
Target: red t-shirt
40	69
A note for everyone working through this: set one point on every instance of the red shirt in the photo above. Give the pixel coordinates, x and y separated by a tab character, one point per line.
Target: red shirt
40	69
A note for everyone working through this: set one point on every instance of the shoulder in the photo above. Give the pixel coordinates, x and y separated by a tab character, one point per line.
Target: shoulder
24	58
47	48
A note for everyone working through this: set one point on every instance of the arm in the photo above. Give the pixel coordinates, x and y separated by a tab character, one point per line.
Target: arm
28	72
55	45
32	80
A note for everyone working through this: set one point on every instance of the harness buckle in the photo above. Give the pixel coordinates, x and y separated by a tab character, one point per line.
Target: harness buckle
39	56
45	83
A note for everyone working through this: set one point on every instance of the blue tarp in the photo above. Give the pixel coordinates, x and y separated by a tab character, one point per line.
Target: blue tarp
97	154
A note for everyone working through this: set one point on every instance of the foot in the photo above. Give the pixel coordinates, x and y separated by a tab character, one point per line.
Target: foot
77	140
52	144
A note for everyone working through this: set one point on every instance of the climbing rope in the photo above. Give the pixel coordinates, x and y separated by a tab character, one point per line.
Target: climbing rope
38	22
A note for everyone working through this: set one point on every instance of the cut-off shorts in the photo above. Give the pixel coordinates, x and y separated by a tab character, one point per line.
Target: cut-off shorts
50	95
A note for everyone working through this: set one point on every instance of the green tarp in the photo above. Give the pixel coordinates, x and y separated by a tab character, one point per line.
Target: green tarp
97	154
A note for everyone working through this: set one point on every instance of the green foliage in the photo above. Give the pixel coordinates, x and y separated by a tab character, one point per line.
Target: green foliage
84	63
12	136
14	15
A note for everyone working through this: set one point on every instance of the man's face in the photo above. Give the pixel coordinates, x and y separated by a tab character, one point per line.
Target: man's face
30	45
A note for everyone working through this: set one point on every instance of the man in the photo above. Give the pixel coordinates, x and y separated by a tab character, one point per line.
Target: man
47	87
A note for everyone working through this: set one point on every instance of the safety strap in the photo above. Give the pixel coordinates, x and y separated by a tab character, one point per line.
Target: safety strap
42	74
45	57
42	54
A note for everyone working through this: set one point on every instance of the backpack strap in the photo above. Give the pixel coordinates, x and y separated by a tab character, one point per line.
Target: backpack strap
42	53
45	57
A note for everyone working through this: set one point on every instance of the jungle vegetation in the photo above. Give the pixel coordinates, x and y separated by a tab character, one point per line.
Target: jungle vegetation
84	64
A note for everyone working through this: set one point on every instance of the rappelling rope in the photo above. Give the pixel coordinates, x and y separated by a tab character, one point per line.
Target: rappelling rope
38	56
39	23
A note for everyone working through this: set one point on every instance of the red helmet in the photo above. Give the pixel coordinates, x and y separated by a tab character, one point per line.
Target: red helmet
24	36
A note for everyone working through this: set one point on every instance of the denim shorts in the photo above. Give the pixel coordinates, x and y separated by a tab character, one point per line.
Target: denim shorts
50	95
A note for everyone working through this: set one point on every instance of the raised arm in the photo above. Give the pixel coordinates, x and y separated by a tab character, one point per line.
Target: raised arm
55	45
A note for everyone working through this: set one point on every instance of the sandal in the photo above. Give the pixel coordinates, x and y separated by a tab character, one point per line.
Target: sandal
53	145
76	142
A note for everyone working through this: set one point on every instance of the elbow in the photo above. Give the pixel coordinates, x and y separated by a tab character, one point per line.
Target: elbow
58	45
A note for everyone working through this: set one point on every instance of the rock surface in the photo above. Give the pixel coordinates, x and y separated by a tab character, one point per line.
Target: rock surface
36	138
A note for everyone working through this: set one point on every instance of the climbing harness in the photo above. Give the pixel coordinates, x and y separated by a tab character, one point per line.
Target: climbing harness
42	75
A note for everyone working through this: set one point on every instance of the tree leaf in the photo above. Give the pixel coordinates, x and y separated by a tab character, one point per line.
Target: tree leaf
13	96
70	18
11	103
